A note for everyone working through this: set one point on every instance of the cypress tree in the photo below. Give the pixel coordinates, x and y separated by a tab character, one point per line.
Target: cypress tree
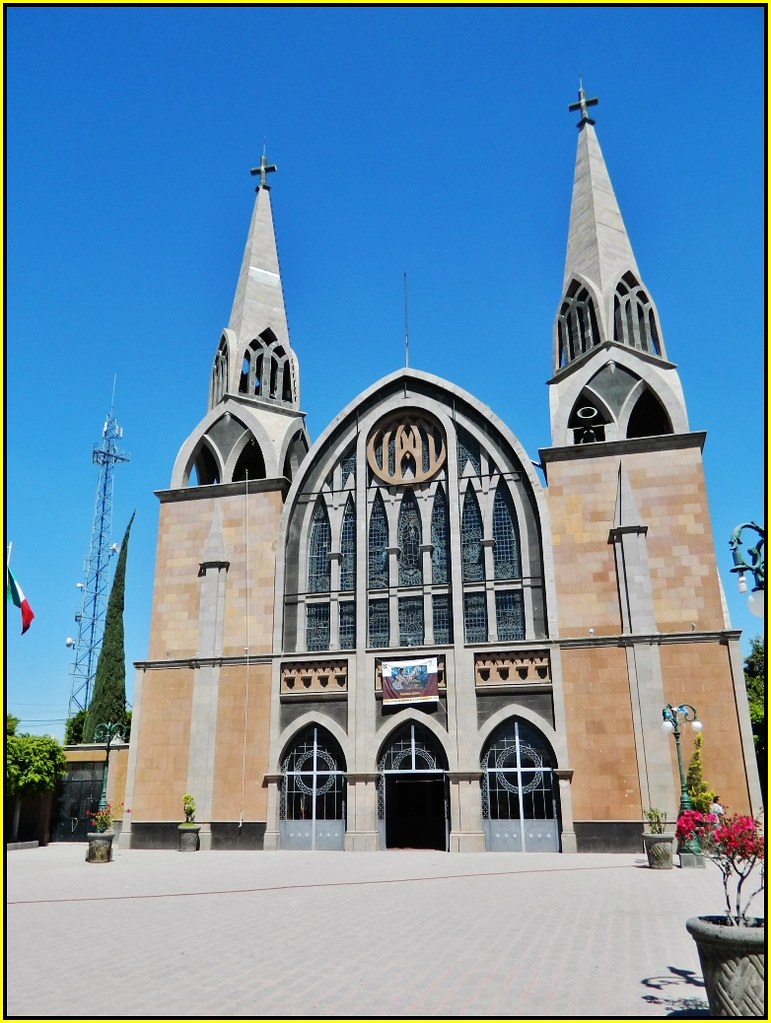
108	700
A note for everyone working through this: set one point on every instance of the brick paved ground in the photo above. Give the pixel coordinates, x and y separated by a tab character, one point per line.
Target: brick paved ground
391	934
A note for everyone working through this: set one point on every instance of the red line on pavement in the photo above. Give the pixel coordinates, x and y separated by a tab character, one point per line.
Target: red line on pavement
318	884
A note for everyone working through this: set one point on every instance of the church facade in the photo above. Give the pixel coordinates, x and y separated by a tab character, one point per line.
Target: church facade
399	634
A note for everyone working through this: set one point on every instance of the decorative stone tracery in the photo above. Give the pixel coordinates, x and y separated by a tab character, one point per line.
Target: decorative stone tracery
499	669
326	677
406	448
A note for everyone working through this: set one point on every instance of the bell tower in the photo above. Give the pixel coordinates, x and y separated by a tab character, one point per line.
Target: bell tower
200	697
639	600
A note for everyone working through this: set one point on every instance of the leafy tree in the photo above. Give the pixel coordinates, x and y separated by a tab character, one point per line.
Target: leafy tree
73	728
699	791
33	764
108	701
11	724
755	681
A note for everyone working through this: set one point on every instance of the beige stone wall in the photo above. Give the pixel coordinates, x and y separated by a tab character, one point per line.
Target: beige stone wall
163	742
601	741
234	761
696	674
671	495
184	528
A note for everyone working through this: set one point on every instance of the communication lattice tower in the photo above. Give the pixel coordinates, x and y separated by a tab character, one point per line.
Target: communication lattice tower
90	618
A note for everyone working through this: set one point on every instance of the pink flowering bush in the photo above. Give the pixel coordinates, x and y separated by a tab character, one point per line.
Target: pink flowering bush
102	819
736	845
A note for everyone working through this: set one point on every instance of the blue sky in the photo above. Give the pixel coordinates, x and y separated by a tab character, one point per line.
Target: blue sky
434	141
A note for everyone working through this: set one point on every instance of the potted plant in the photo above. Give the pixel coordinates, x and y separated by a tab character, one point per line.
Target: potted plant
731	944
100	840
188	829
656	842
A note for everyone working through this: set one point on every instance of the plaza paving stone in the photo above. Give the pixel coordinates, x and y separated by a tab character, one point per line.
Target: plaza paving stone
398	934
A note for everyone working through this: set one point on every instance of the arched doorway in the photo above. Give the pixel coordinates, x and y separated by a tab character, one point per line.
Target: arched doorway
312	798
520	804
413	805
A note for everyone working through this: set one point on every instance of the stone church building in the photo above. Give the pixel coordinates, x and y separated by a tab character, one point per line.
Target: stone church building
399	634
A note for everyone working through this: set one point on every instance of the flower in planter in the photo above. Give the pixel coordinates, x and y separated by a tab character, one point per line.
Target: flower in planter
736	845
102	818
188	808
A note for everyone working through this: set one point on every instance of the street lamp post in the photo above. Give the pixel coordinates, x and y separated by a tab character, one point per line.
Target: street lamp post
106	733
671	723
756	565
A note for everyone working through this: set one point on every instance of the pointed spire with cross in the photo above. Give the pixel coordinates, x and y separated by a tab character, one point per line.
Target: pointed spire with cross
583	104
264	170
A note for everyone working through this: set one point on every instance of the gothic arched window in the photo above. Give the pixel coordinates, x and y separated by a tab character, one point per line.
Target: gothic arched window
348	547
506	554
634	320
220	371
378	546
267	369
318	551
471	539
439	537
577	327
410	539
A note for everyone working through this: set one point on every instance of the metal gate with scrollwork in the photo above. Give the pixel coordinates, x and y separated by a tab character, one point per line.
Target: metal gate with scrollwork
520	808
312	798
79	792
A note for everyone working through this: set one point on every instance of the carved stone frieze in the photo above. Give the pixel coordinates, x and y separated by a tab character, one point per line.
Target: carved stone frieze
324	677
500	669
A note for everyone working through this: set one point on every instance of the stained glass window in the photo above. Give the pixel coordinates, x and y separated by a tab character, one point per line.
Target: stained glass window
506	535
442	627
348	548
378	623
378	546
411	626
347	624
318	551
317	627
439	537
471	539
348	468
510	614
410	539
468	451
475	617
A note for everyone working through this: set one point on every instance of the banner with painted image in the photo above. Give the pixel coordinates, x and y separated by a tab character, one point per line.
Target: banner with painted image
414	681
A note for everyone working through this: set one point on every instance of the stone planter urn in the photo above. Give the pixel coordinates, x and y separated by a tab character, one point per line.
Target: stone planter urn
733	963
99	846
188	837
659	849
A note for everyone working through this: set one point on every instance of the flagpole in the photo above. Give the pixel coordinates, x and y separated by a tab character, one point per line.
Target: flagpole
8	558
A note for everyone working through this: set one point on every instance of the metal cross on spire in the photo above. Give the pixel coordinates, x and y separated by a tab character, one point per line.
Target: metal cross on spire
583	104
264	170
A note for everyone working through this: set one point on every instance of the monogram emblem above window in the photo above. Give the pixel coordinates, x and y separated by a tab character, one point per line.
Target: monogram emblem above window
406	448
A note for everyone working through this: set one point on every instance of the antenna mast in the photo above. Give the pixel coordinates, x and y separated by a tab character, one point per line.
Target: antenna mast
90	618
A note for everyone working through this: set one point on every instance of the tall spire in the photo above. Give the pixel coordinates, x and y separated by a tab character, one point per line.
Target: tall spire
259	299
598	245
612	377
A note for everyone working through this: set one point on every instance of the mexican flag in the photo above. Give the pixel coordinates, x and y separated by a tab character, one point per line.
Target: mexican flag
16	596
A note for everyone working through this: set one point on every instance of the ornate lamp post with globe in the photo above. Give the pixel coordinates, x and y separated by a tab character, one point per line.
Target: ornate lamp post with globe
755	565
100	842
689	850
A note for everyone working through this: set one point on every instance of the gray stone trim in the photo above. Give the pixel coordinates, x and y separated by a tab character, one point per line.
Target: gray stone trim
280	483
576	364
664	442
